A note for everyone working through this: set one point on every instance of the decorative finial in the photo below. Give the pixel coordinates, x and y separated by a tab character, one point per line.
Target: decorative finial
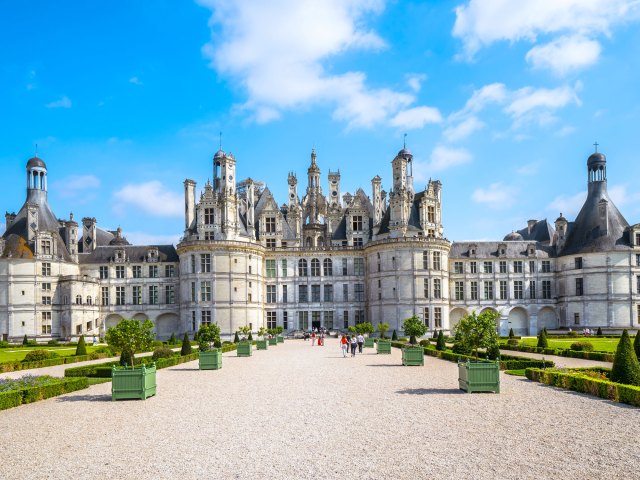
404	145
36	150
596	145
220	140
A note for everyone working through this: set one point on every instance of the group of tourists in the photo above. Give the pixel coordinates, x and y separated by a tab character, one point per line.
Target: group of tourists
317	335
353	342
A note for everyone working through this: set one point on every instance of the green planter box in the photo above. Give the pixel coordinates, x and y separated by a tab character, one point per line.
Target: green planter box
413	356
479	377
244	349
280	339
211	360
137	383
369	343
273	341
262	344
384	346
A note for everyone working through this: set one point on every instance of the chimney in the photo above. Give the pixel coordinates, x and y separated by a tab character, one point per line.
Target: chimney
530	225
189	203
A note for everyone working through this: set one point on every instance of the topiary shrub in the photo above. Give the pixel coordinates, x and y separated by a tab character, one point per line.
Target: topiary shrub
125	358
250	337
414	327
103	349
542	339
236	339
81	349
582	346
572	333
493	352
162	352
94	356
53	343
172	339
186	345
599	332
435	334
4	344
25	340
636	345
394	336
37	356
513	341
626	368
440	344
511	334
424	343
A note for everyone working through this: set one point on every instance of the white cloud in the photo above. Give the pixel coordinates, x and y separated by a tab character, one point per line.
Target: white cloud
135	81
463	129
150	197
64	102
565	54
416	117
277	52
565	131
75	185
414	80
528	169
441	158
528	99
141	238
568	205
621	196
497	195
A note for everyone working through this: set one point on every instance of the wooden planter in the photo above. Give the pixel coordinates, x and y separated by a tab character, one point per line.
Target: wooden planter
413	356
479	377
244	349
133	383
262	345
369	343
280	339
211	360
273	341
384	346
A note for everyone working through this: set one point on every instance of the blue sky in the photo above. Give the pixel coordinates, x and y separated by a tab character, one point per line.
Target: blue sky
501	100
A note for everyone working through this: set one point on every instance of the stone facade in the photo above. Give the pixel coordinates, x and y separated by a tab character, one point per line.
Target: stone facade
321	260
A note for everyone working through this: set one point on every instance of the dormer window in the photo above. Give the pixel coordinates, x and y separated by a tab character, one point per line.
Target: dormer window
152	255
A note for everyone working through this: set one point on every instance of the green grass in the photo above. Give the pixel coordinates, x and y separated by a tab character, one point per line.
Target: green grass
96	381
599	344
10	354
516	373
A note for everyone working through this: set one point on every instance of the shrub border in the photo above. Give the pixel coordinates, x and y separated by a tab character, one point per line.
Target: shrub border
561	352
15	398
17	365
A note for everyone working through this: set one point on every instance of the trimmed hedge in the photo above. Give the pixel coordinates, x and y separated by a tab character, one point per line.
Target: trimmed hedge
561	352
33	394
103	370
17	365
616	392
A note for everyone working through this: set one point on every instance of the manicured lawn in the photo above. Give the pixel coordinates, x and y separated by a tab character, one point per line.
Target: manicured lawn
599	344
12	354
516	373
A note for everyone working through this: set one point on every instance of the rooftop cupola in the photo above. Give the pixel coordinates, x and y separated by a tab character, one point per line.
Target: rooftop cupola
36	180
597	166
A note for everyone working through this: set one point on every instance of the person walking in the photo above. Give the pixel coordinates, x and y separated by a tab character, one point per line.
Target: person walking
343	345
354	344
313	338
360	342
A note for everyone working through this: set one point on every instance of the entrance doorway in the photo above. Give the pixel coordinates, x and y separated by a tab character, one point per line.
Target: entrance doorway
315	320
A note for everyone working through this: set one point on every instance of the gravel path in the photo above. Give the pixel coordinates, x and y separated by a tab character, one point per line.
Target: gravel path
561	362
297	411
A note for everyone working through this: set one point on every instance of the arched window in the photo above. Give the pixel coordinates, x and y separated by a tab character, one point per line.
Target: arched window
78	300
302	268
89	300
315	267
308	242
328	267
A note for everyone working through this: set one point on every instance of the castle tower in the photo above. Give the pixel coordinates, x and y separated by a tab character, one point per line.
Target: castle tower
376	198
401	196
36	181
293	189
334	189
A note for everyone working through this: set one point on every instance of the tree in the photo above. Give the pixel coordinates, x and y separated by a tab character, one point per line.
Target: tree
130	337
81	349
394	336
626	368
636	345
279	329
542	339
186	345
250	337
236	339
172	339
382	328
440	344
477	331
207	336
25	340
599	334
365	328
352	329
245	330
511	334
435	334
263	331
414	327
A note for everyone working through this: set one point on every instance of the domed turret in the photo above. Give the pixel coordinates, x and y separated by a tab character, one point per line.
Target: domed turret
513	237
36	162
597	167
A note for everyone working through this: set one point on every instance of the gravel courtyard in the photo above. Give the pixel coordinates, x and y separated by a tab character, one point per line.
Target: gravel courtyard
297	411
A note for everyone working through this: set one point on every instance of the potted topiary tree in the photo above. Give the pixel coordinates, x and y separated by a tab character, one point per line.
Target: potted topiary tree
384	346
413	354
262	344
367	330
129	337
278	334
244	347
474	332
273	340
210	358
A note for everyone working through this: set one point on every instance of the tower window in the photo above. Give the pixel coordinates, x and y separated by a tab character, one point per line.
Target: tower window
208	216
578	262
357	223
270	225
431	214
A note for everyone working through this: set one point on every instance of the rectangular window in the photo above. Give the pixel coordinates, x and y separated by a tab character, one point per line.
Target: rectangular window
137	295
328	293
457	267
153	294
46	287
120	271
46	300
206	317
271	268
205	263
638	284
136	271
437	317
327	265
546	266
359	316
345	318
283	266
359	291
576	319
315	267
169	294
328	320
46	247
532	289
89	325
474	290
488	267
270	225
303	293
105	295
104	273
579	287
120	296
425	260
205	291
345	292
193	291
437	290
473	267
517	289
637	259
532	266
285	320
459	290
578	262
503	266
358	266
46	269
357	223
285	295
358	242
169	271
153	271
344	267
546	289
436	260
425	316
426	287
504	292
303	320
271	243
208	216
271	294
271	320
638	315
517	266
315	293
431	214
193	320
46	323
488	290
193	264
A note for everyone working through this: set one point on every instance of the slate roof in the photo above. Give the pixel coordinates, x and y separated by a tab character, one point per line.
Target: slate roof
542	231
105	254
490	250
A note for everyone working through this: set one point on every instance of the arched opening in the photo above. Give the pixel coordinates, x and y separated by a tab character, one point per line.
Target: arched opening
166	324
547	318
455	316
141	317
112	320
519	321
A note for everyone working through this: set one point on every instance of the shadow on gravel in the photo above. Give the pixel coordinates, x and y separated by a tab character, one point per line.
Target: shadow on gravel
85	398
386	365
183	369
431	391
